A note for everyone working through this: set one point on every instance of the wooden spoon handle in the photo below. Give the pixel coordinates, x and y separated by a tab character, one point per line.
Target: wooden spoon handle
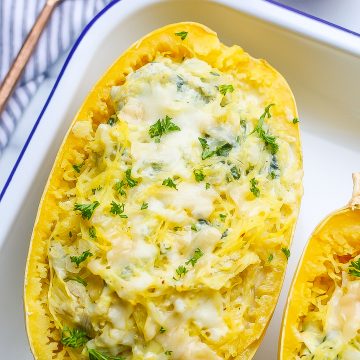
18	66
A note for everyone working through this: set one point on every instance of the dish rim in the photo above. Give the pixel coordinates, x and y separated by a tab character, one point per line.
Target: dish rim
83	33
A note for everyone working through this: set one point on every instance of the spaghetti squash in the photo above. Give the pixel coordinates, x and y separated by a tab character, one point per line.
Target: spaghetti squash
322	318
164	229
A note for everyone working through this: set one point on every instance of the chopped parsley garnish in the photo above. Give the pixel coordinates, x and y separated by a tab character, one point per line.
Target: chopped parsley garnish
182	34
214	73
221	150
270	141
193	227
222	217
70	234
199	175
170	183
76	278
225	234
162	330
168	352
78	167
295	120
253	187
73	338
270	258
119	187
79	259
354	268
144	206
235	172
179	83
130	181
225	88
286	252
181	270
112	120
97	355
274	170
197	255
207	186
118	209
162	127
86	209
92	232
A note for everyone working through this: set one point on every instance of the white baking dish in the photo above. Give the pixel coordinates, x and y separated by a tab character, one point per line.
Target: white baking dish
321	63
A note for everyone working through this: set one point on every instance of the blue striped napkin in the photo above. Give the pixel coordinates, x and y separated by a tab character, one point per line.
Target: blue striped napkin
16	20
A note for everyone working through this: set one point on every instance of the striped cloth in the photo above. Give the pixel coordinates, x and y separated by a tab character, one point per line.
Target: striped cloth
16	19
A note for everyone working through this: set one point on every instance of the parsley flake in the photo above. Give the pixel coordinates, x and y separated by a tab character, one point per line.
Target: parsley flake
199	175
162	330
197	255
221	150
253	187
286	252
92	232
270	258
270	141
222	217
119	187
295	120
225	88
118	209
144	206
235	173
79	259
170	183
78	167
162	127
130	181
182	34
207	186
354	268
181	270
86	209
168	352
73	338
97	355
112	120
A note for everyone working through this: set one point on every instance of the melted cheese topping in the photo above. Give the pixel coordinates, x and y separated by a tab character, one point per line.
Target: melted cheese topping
173	271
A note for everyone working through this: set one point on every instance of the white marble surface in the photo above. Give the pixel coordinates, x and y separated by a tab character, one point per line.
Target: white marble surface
344	13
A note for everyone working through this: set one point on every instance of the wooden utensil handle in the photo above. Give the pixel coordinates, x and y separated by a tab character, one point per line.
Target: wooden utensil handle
18	66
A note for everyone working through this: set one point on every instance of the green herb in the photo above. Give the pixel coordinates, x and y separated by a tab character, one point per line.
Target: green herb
214	73
295	120
286	252
70	234
225	88
162	127
193	227
76	278
221	150
207	186
235	172
95	190
92	232
79	259
270	258
86	209
112	120
177	228
118	209
274	169
156	166
249	169
222	217
181	270
199	175
119	185
225	233
97	355
179	83
78	167
168	352
170	183
144	206
270	141
243	125
130	181
354	268
253	187
73	338
182	34
197	255
162	330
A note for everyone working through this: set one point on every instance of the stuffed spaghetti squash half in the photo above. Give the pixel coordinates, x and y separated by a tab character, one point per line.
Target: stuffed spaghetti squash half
164	228
322	317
